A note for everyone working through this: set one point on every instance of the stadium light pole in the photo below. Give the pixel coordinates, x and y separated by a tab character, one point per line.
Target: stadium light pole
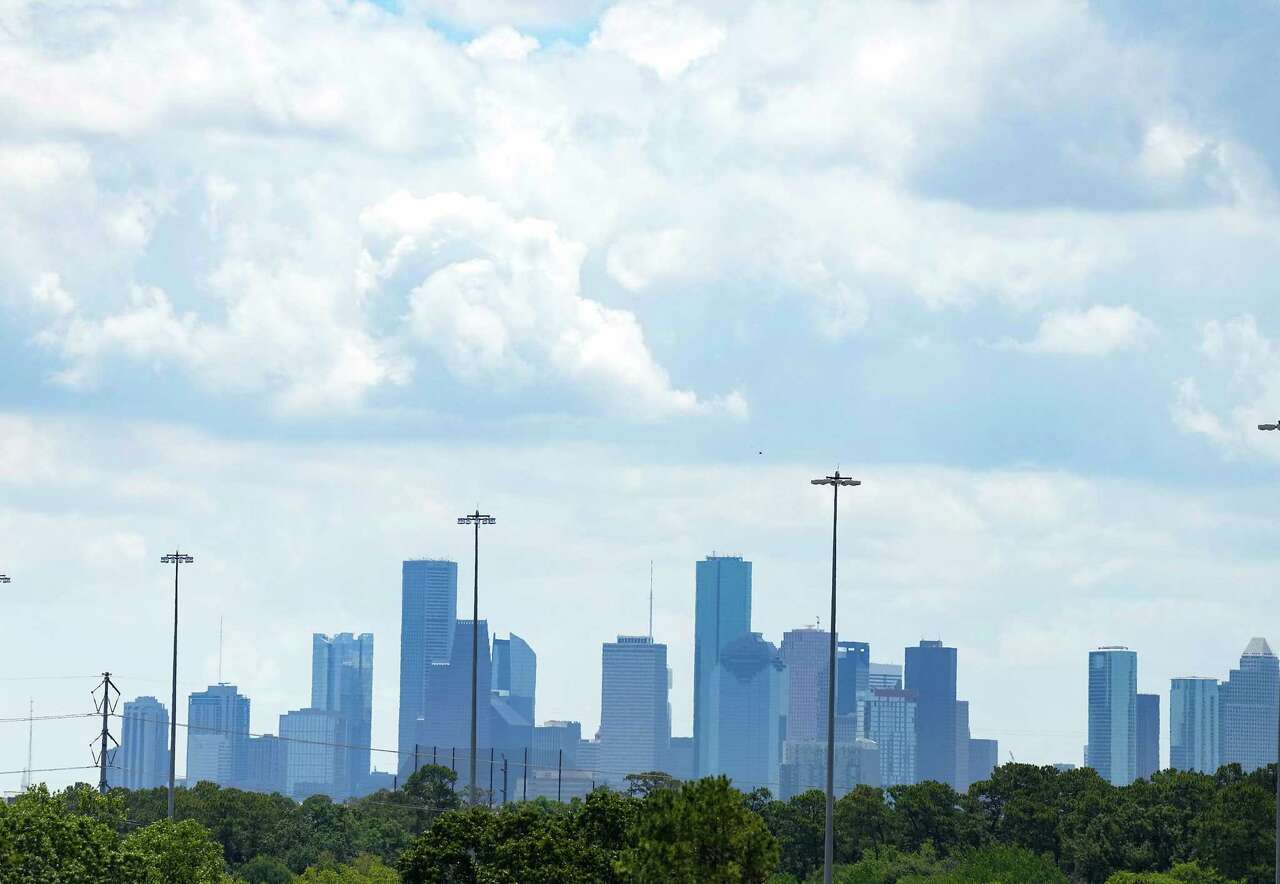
836	481
176	558
1270	428
477	519
5	579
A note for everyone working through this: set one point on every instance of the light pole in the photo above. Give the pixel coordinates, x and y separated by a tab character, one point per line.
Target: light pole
4	579
828	850
1268	428
176	558
477	519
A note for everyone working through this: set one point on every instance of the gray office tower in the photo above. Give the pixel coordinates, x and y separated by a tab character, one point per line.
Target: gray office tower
218	736
853	676
428	611
961	783
144	744
342	682
884	675
515	674
931	676
984	756
635	723
313	756
1250	706
267	763
805	652
749	696
1148	735
1113	714
447	722
722	614
1194	720
889	718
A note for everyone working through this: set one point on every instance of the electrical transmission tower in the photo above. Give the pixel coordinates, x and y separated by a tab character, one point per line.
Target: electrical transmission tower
107	705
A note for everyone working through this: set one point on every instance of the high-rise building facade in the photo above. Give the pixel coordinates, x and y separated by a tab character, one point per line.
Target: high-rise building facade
984	756
1194	719
1249	701
428	611
931	675
266	764
515	673
884	675
1113	714
806	652
312	758
447	722
635	727
749	695
804	766
889	719
722	614
342	682
853	676
218	736
144	744
961	783
1148	735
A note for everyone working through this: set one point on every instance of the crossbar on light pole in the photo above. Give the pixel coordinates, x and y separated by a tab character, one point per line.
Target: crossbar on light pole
5	579
175	558
477	519
836	481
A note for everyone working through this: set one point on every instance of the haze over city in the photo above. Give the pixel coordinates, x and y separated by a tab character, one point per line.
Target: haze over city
628	276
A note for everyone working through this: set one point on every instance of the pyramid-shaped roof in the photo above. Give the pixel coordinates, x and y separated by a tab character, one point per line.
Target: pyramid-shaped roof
1258	647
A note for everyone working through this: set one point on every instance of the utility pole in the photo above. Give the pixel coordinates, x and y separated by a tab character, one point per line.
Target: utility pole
504	778
26	774
559	774
524	768
477	519
491	776
107	705
1270	428
176	558
828	850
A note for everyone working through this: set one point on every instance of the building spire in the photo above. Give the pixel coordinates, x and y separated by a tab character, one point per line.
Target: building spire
651	600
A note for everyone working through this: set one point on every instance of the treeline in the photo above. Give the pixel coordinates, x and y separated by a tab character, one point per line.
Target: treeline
1025	824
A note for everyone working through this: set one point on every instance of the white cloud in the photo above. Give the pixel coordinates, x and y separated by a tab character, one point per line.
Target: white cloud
1098	331
502	44
664	35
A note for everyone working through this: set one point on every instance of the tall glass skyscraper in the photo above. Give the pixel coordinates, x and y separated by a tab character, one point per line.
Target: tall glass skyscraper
428	611
515	674
805	651
1113	714
1194	719
447	721
853	676
144	744
312	757
749	697
1250	704
931	676
1148	735
722	614
218	736
889	718
342	682
635	723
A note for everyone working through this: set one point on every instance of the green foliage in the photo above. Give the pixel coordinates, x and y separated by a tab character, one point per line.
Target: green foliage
41	839
176	853
1236	833
997	864
264	870
1182	873
887	865
363	869
702	832
640	785
800	827
865	822
934	813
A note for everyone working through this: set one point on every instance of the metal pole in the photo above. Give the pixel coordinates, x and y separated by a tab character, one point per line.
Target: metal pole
415	757
173	701
559	774
828	848
491	776
524	789
475	650
433	754
504	779
1272	428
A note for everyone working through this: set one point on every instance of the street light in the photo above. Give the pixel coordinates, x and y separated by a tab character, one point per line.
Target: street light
1267	428
175	558
477	519
828	851
4	579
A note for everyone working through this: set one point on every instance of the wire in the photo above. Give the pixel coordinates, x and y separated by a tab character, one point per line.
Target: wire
62	717
48	769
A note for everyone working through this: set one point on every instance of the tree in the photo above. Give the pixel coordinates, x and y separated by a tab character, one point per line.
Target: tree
264	870
363	869
1236	833
41	839
1183	873
999	864
933	812
702	832
177	853
864	822
889	865
640	785
799	824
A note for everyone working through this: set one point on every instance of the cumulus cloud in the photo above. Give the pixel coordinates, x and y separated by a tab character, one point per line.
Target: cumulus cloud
664	35
502	44
1098	331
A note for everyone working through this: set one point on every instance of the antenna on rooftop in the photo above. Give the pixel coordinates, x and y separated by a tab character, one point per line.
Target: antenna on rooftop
651	600
219	650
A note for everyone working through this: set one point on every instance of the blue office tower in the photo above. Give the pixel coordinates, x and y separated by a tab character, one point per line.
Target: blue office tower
750	699
515	674
446	724
853	676
1194	722
722	614
428	611
342	682
1148	735
144	745
1249	706
931	676
1113	714
218	737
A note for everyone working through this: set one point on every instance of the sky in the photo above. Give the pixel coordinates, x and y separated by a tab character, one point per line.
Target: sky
292	285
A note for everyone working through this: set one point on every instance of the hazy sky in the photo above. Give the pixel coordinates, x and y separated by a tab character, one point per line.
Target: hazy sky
293	284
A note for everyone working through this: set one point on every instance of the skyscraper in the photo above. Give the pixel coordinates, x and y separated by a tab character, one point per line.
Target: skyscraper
805	653
144	744
428	610
266	764
515	673
749	696
722	614
1194	720
218	736
447	722
312	757
1113	714
635	728
984	756
853	676
884	675
342	682
1250	706
889	718
931	675
961	783
1148	735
